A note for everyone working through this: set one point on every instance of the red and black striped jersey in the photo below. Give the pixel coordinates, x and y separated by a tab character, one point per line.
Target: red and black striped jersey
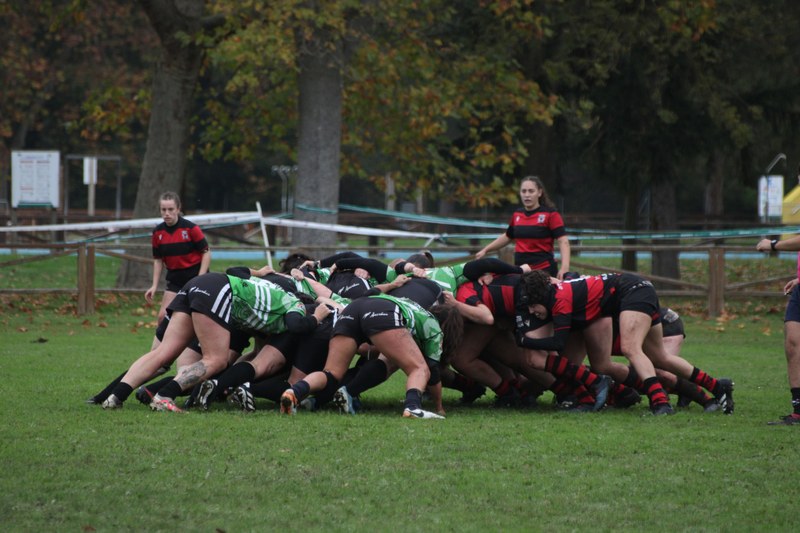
578	302
533	233
575	304
180	246
499	296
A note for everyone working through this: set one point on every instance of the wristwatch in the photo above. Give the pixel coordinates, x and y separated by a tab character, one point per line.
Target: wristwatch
772	244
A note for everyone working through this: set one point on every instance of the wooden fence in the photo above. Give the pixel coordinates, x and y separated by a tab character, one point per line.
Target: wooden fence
714	288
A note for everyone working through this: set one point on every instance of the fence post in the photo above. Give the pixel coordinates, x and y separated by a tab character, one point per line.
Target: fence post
716	281
85	279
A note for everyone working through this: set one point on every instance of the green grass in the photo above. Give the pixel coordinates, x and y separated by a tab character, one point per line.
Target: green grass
62	271
68	466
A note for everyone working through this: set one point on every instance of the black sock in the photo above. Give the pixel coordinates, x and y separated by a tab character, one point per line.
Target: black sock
301	390
326	394
562	387
413	399
171	390
684	387
235	376
796	400
271	388
350	374
655	392
372	374
633	380
122	391
101	396
155	386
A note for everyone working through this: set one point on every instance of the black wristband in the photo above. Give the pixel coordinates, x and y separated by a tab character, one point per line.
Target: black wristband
772	244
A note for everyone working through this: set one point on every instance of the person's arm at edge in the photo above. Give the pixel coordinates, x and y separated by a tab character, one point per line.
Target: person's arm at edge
792	244
565	250
205	262
496	244
150	293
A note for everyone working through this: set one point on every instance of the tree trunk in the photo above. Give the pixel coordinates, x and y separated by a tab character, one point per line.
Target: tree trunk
630	223
319	141
168	132
664	217
714	193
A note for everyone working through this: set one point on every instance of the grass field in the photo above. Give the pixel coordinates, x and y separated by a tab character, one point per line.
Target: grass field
68	466
61	272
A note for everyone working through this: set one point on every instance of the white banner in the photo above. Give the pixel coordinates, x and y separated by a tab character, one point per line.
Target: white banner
770	196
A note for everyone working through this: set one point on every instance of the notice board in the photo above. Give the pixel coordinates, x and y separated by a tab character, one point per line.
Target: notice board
35	178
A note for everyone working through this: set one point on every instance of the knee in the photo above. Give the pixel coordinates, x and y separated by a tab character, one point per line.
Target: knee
630	349
792	346
215	362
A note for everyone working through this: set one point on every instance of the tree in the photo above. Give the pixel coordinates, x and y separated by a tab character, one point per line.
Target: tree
653	94
320	49
182	27
435	99
70	73
418	85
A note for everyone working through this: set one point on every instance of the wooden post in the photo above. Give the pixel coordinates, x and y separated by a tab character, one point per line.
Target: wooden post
372	242
506	254
85	279
716	282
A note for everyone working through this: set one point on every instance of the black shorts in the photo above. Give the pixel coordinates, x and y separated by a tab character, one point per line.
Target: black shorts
347	284
312	353
240	341
180	277
366	317
285	342
162	328
637	294
537	261
672	324
793	307
209	294
312	350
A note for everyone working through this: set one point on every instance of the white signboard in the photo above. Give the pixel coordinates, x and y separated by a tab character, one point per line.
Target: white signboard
90	171
770	196
35	178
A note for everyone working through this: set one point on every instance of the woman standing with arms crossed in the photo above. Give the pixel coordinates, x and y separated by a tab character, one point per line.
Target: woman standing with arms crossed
180	245
535	228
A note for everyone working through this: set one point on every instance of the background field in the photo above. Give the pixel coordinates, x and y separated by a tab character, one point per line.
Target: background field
61	272
68	466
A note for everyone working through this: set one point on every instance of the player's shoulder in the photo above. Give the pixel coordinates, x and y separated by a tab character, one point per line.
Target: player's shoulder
185	223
